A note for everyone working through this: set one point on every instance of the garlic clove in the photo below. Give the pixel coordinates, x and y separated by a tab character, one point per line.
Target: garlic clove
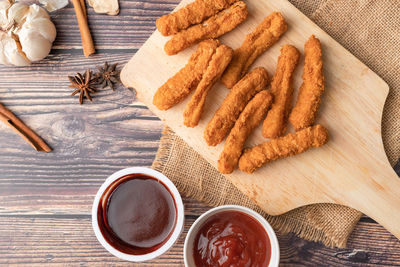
10	54
3	58
17	12
3	18
36	12
5	4
41	26
34	45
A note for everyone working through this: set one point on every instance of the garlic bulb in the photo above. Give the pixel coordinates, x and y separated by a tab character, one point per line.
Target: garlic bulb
26	33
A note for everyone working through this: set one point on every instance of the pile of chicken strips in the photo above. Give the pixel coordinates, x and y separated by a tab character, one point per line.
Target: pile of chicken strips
253	97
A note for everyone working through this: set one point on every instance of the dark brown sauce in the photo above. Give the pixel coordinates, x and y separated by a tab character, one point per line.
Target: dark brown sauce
231	238
137	214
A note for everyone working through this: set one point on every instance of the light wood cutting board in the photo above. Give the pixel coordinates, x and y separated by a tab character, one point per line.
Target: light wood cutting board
352	169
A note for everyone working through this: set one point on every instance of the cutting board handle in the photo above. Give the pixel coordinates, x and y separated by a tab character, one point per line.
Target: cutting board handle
380	200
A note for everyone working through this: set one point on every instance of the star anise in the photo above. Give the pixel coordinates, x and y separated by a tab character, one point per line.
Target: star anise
84	85
108	75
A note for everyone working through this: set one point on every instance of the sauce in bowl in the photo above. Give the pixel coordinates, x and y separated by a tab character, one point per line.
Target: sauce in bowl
231	238
137	214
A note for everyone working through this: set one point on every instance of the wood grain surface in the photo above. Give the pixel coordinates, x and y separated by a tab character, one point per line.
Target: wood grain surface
45	199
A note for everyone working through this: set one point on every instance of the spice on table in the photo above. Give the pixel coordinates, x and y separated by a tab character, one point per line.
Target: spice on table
108	75
23	130
26	33
84	85
83	6
109	7
87	41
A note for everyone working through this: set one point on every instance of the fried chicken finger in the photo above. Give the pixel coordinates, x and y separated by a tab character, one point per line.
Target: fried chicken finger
248	120
289	145
193	13
214	27
179	86
282	90
309	98
217	65
234	103
263	37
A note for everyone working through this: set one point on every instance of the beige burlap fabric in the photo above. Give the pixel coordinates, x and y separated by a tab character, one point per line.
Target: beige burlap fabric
370	30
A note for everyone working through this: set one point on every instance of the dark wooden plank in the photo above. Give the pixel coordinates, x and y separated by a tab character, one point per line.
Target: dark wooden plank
130	29
71	241
89	144
27	240
369	245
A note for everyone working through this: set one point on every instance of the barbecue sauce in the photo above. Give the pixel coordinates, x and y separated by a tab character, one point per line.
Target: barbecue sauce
137	214
232	238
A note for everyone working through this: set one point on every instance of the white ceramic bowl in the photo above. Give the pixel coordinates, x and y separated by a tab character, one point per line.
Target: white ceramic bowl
189	241
179	215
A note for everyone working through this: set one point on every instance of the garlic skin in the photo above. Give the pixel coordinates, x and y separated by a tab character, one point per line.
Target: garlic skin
53	5
110	7
26	33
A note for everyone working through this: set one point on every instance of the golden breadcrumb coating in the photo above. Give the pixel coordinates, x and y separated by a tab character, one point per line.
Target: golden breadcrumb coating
282	90
263	37
309	98
248	120
214	27
179	86
289	145
193	13
217	65
234	103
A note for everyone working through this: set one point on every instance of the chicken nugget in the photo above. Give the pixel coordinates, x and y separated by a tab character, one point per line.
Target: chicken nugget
179	86
289	145
309	98
234	103
214	27
193	13
248	120
263	37
282	90
217	65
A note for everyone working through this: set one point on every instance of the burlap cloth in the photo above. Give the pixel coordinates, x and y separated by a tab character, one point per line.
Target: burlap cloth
370	30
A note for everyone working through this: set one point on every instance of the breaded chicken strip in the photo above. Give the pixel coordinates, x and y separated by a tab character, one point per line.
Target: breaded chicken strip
234	103
289	145
263	37
248	120
179	86
214	27
215	68
193	13
309	98
282	90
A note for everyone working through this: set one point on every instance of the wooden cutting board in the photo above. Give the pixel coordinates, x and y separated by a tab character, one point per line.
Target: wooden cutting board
352	169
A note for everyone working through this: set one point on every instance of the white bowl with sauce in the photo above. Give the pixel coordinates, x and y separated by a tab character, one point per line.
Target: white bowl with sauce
121	222
219	226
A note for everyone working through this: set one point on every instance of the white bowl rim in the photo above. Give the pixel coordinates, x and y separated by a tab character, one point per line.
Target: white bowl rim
179	216
275	252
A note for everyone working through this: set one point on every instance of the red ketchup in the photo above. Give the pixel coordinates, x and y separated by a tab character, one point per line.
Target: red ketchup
232	238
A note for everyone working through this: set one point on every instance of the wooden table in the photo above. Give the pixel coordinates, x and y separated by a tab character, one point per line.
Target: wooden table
45	199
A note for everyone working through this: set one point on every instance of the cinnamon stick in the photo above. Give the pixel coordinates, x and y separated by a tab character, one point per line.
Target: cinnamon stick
87	41
18	126
83	6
